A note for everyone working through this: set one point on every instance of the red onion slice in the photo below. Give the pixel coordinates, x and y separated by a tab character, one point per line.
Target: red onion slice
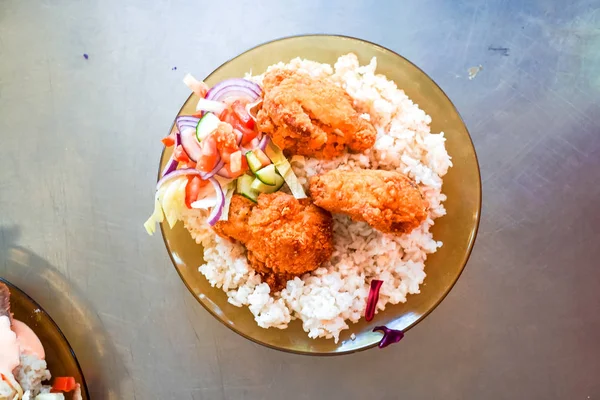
250	106
264	141
217	210
256	144
184	122
207	175
390	336
172	163
372	299
235	87
177	173
190	144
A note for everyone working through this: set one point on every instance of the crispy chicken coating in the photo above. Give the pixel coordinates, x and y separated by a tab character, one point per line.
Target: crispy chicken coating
285	237
387	200
311	116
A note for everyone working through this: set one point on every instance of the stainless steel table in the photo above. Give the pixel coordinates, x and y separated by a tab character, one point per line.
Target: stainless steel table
78	161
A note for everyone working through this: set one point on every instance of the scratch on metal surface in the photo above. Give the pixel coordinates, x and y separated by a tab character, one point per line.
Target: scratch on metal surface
470	35
558	95
580	152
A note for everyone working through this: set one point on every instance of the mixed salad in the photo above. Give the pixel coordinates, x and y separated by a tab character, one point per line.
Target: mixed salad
215	166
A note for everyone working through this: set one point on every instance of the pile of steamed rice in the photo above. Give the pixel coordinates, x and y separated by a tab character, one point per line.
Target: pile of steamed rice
327	299
30	374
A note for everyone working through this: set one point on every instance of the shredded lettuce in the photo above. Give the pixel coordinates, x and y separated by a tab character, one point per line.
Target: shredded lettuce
229	189
156	217
285	170
168	203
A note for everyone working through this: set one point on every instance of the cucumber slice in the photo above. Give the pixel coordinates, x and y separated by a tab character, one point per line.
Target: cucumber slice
267	175
253	162
244	188
260	187
207	124
285	170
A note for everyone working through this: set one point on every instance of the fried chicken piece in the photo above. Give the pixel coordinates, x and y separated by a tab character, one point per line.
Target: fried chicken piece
311	116
285	237
236	227
387	200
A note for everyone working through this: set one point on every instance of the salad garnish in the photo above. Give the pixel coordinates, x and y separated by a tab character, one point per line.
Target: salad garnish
221	146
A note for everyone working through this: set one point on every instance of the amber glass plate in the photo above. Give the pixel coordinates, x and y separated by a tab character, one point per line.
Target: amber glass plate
457	229
59	354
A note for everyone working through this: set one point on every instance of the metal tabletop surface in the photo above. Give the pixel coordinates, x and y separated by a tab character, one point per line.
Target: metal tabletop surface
78	160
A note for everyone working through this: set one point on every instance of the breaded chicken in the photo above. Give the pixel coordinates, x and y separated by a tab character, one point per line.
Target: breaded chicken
387	200
236	227
285	237
311	116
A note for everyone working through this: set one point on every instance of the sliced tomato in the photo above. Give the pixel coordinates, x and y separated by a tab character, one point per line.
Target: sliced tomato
231	116
192	189
181	156
239	109
248	135
227	168
209	157
228	116
169	140
226	156
244	164
64	384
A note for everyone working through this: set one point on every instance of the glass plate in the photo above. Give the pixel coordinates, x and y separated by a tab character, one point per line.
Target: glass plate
457	229
59	354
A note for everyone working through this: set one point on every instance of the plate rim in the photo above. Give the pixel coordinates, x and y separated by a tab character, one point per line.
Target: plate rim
14	287
472	238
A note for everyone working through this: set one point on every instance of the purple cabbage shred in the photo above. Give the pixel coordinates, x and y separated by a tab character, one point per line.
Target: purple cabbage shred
390	336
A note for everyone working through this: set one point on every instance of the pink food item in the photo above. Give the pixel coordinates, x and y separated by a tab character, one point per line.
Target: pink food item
29	342
9	346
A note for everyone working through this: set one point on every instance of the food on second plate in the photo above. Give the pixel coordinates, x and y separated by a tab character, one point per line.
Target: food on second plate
23	367
311	116
389	201
285	237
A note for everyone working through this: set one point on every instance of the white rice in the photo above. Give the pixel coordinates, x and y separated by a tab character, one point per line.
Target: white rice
28	378
31	372
327	299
